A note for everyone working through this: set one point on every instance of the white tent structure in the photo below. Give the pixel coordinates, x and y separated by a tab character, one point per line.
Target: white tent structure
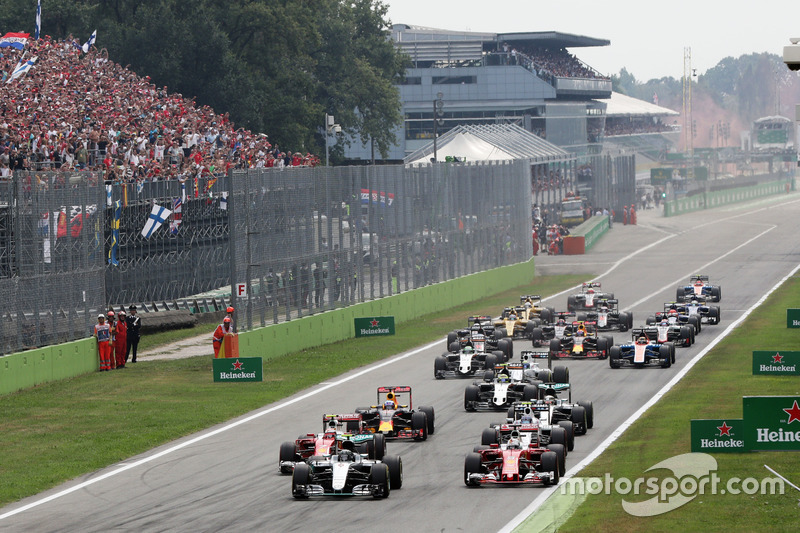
491	142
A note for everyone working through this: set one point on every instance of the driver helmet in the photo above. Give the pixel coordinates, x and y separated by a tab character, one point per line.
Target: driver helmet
346	455
641	340
388	404
561	322
468	349
694	301
665	322
673	312
590	290
514	444
549	399
512	315
526	419
503	378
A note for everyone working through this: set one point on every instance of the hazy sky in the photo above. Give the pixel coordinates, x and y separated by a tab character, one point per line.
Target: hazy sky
647	38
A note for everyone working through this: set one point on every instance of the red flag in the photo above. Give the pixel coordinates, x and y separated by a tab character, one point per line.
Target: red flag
62	225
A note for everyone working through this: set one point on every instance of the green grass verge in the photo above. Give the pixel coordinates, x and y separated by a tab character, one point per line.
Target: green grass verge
58	431
713	389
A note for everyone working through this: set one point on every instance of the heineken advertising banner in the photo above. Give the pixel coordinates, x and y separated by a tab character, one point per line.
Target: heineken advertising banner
793	318
776	363
375	326
716	436
772	422
237	369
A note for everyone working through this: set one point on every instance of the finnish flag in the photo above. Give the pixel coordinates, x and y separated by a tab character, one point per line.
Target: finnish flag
158	215
22	68
88	44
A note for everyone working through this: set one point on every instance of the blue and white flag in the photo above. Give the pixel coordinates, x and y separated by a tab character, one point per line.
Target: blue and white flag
139	187
109	189
183	192
38	19
177	216
158	216
112	253
22	68
223	201
88	44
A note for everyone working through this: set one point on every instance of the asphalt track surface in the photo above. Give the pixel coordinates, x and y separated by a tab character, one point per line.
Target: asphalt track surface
227	479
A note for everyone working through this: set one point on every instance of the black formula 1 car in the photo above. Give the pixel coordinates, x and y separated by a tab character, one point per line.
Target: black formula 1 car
481	328
584	343
511	464
699	288
676	314
588	298
335	432
709	314
559	328
607	316
467	362
347	474
642	352
395	416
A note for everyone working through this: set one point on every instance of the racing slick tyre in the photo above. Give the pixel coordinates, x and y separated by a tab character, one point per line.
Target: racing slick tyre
581	317
685	336
488	376
451	338
579	419
471	395
431	417
490	361
287	453
490	436
713	314
472	465
608	296
614	360
589	406
500	333
679	294
572	303
665	356
716	293
550	464
555	346
561	452
395	465
534	383
530	393
650	320
695	321
545	376
529	327
300	476
671	351
569	431
379	475
561	374
546	315
419	423
610	342
630	319
454	347
376	447
507	347
510	412
439	367
558	435
603	346
537	336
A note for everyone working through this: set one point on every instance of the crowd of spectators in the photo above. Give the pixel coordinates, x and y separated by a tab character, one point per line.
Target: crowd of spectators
632	127
80	111
549	63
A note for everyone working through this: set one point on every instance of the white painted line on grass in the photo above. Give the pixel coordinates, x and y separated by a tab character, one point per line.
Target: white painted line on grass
546	493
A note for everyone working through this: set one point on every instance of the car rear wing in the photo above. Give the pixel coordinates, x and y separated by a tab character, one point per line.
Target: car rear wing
590	285
635	332
481	318
531	297
528	356
392	393
337	420
699	277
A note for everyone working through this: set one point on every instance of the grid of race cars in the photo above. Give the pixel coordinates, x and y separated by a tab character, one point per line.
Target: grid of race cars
348	457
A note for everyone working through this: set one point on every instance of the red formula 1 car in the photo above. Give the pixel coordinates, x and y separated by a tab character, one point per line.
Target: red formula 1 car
511	464
395	416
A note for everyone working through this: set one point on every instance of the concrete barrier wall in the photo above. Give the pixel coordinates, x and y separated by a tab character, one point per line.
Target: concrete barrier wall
583	237
34	367
713	199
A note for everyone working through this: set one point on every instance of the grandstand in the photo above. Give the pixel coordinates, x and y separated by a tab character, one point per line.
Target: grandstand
529	79
640	127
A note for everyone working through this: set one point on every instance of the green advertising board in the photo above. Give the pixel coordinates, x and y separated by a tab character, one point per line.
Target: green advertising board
237	369
772	423
775	363
374	326
659	176
718	436
793	318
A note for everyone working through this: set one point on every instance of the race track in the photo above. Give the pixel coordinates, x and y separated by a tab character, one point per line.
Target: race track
226	478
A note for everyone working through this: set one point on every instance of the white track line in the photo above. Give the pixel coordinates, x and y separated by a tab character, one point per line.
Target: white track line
546	493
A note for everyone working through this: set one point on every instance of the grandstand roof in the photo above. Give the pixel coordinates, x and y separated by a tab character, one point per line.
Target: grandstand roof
489	142
552	39
620	105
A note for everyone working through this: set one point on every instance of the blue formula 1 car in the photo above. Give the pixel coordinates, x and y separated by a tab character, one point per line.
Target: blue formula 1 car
642	352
